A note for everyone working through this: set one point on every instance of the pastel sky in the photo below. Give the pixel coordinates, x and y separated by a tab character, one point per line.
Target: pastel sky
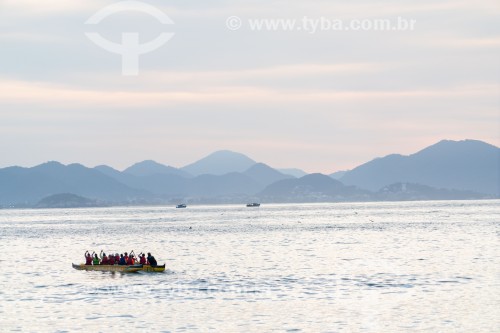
322	101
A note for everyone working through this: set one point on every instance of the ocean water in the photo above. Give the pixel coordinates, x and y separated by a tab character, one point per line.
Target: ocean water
350	267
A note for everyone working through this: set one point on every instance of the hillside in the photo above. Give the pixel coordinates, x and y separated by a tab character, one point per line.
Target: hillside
67	200
149	167
27	186
312	188
462	165
264	174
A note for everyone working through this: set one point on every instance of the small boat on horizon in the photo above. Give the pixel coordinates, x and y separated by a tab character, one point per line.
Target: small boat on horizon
181	206
253	204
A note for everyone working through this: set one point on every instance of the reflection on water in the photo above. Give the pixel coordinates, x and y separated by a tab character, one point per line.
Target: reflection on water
367	267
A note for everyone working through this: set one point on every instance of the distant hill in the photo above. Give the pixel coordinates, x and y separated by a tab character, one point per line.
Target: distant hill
220	163
297	173
223	185
312	188
158	184
27	186
264	174
149	167
413	192
67	200
468	165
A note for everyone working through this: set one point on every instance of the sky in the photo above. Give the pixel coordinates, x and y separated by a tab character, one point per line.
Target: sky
322	100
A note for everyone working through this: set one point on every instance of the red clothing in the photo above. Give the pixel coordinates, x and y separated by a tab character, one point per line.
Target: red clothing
126	258
88	260
142	261
111	260
105	261
130	261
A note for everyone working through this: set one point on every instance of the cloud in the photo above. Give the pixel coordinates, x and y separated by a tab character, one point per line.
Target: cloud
22	92
38	8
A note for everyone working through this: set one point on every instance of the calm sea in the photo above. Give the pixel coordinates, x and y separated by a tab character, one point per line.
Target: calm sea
357	267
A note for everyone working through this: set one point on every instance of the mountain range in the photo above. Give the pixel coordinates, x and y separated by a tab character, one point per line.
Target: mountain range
468	165
466	169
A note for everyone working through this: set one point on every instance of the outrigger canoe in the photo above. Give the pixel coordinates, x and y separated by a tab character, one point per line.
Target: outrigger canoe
109	268
120	268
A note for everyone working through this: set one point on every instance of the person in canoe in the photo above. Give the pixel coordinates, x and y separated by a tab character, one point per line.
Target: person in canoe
131	259
111	259
95	260
88	258
142	259
122	260
104	258
151	260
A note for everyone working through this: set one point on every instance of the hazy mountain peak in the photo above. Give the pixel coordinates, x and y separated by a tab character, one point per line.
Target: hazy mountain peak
150	167
105	167
219	163
50	164
297	173
264	174
260	167
457	147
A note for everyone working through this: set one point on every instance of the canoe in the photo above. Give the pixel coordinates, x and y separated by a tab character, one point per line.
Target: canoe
147	268
109	268
120	268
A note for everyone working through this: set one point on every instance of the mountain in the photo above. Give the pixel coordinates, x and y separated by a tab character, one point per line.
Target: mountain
297	173
161	184
264	174
467	165
312	188
27	186
149	167
230	184
220	163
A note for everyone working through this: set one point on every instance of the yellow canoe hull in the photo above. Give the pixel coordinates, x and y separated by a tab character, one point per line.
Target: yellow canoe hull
109	268
147	268
119	268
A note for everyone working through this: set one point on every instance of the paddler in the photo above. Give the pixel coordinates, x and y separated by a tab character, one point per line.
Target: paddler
142	259
152	260
88	258
95	260
104	258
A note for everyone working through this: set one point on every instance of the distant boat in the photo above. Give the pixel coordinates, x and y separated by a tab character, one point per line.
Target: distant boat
181	206
254	204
